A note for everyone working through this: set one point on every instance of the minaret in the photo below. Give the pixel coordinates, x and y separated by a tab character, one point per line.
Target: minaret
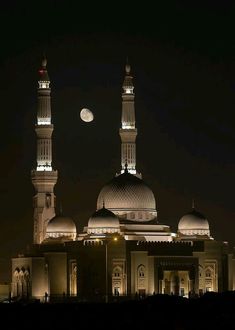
128	131
44	177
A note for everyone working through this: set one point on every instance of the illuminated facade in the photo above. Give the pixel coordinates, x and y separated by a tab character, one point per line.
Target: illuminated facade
123	250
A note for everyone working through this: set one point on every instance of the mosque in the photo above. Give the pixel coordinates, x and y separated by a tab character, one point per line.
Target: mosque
123	250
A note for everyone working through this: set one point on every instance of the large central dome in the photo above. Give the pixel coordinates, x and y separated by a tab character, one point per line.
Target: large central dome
128	197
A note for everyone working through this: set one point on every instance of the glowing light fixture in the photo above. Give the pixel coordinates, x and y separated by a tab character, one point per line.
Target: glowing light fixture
44	168
127	126
44	84
44	121
129	170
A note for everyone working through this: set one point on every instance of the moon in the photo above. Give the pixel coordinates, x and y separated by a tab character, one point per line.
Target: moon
86	115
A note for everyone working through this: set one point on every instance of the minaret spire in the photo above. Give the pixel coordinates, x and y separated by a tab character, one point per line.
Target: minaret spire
128	131
193	203
44	177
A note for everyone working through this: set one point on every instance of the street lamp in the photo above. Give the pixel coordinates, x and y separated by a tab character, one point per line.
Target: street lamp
106	267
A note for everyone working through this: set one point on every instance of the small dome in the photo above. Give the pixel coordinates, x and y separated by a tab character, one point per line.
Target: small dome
126	195
194	223
103	221
61	226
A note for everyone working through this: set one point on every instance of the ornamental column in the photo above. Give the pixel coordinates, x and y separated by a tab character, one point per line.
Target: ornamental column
43	177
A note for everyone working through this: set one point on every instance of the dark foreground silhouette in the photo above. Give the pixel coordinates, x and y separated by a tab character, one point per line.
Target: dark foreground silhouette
211	311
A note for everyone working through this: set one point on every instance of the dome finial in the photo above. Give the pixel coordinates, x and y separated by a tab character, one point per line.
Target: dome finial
61	209
193	203
128	67
44	61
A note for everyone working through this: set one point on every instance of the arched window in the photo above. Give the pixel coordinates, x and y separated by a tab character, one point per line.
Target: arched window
208	272
21	282
16	273
21	278
141	279
141	271
209	279
73	278
24	281
117	281
117	271
16	280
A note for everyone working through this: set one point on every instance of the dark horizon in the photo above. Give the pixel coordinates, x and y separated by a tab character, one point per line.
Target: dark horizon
184	100
215	310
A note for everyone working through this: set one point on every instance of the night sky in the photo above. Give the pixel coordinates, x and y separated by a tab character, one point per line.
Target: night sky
183	63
